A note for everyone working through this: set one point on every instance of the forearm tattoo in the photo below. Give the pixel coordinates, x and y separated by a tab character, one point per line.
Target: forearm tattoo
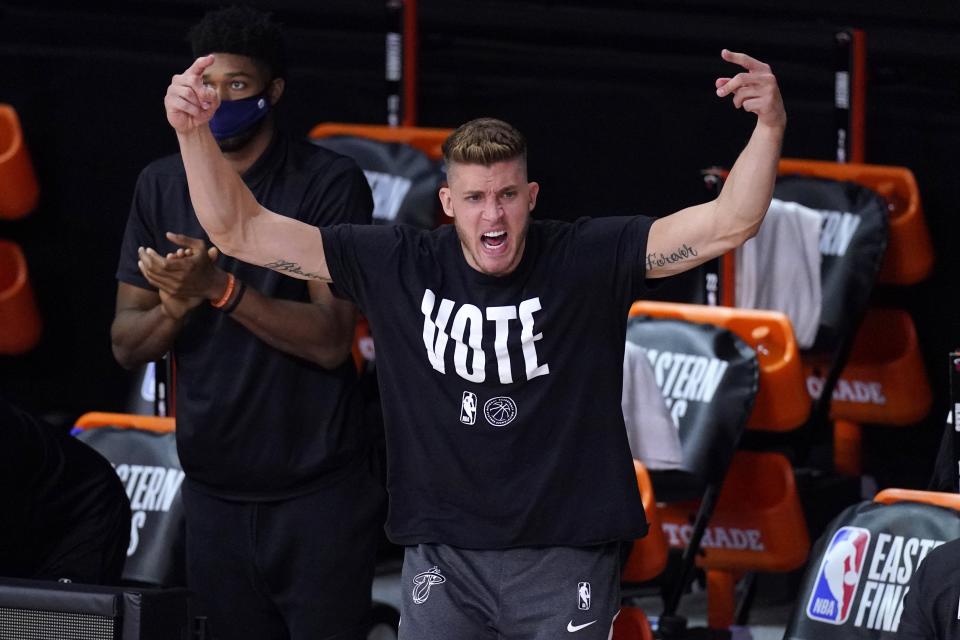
661	260
292	267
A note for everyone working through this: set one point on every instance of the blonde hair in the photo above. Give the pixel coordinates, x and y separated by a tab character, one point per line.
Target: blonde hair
484	141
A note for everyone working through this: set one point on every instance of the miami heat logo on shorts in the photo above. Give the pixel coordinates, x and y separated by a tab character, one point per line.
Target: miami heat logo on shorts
422	583
839	576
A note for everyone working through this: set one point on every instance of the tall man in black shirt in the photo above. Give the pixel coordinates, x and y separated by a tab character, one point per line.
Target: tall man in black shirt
499	349
282	510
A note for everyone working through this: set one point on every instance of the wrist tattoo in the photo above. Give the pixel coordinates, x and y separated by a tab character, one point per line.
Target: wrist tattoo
662	259
292	267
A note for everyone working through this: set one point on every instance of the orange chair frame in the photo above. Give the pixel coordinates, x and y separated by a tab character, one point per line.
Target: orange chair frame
886	368
938	498
428	140
765	483
648	557
20	324
19	191
96	419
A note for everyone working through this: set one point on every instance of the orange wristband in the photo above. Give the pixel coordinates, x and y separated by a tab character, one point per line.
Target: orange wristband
222	301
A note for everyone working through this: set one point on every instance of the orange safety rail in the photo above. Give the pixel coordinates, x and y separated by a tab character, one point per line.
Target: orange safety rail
758	525
781	403
19	318
938	498
18	182
631	624
885	380
96	419
649	554
909	255
425	139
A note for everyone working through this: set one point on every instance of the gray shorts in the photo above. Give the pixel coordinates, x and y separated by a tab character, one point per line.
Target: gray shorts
530	593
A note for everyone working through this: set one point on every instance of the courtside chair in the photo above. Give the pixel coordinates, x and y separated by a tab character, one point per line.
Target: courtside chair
861	566
709	379
852	243
20	324
143	452
865	366
865	209
884	381
756	522
18	182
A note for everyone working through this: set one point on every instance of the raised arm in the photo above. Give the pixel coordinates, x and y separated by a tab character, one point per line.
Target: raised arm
700	233
231	216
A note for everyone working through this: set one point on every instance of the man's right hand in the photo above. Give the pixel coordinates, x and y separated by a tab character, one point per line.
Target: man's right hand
185	278
189	104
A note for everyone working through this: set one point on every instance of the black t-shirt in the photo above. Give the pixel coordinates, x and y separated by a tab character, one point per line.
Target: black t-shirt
931	608
253	422
501	395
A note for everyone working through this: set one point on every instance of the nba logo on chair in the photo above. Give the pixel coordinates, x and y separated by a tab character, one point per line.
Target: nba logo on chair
839	576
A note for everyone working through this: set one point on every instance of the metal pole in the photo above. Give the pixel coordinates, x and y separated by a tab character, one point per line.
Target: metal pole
394	61
850	91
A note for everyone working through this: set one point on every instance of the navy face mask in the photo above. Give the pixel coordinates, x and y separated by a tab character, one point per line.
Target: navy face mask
233	117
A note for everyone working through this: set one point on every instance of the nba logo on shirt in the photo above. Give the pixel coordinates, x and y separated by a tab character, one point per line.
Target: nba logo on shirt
468	408
583	596
839	576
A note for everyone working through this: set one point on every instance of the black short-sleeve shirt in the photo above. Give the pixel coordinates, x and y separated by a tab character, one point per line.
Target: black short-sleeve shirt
931	607
254	422
501	395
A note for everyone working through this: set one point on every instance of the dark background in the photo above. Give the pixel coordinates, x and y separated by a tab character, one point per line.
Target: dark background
616	99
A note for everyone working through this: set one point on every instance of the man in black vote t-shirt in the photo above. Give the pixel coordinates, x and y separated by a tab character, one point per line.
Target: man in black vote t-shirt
283	514
500	347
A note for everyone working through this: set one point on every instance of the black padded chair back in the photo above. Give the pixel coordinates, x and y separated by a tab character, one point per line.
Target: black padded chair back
708	377
404	181
853	239
149	468
858	570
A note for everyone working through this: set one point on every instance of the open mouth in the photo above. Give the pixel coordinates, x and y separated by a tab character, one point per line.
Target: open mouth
493	239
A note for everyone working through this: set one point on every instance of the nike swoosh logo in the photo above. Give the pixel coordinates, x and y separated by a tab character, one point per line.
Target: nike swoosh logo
572	628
